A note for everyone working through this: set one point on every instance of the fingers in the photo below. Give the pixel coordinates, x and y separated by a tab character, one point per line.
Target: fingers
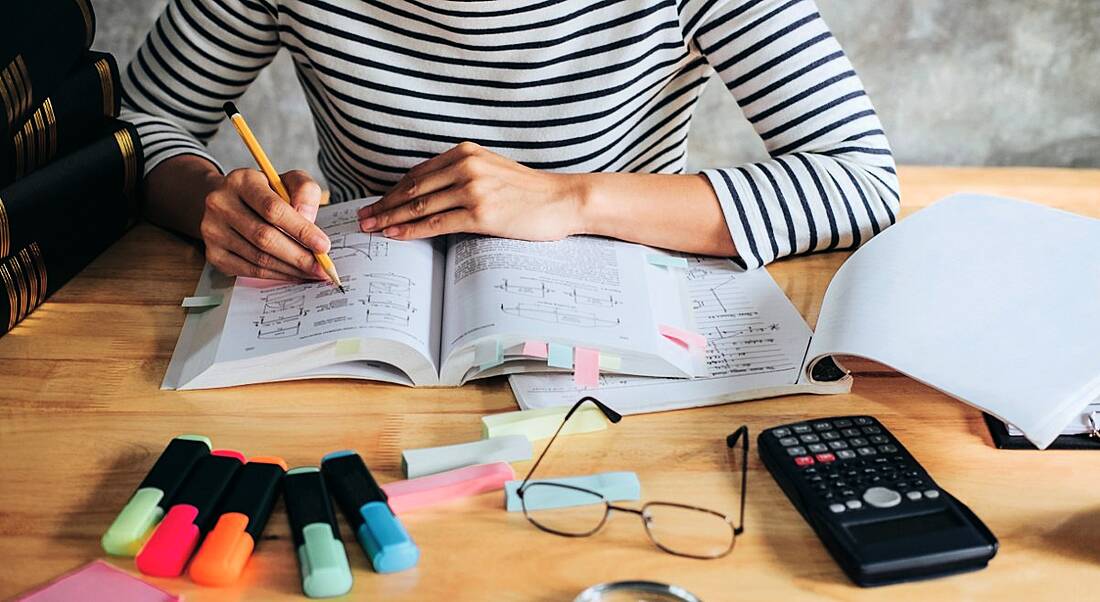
419	208
236	244
305	193
447	222
258	196
233	265
422	179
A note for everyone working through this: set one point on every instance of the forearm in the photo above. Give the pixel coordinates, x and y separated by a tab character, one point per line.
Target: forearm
677	212
175	192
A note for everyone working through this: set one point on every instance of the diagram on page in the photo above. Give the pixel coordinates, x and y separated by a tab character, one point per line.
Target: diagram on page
388	293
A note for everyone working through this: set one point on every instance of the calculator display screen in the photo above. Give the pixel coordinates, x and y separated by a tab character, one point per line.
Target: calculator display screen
889	530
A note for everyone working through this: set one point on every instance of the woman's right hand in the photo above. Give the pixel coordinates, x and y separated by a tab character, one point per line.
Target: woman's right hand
250	231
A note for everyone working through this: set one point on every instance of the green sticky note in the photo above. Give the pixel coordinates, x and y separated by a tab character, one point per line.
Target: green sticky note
347	347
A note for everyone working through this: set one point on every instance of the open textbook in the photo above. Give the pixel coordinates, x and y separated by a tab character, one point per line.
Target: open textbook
437	312
993	301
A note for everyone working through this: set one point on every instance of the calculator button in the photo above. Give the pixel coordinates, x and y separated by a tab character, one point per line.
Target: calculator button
815	478
850	432
931	494
865	451
781	432
825	458
822	426
881	461
872	430
788	441
887	449
842	423
804	461
845	454
853	504
918	483
881	497
880	439
809	471
801	429
830	435
858	441
864	421
817	448
796	451
838	444
836	508
847	493
811	438
913	495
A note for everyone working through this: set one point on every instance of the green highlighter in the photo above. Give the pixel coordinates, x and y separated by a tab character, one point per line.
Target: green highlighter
322	559
141	515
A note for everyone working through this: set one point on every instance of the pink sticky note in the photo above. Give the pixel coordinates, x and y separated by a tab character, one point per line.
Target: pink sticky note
691	340
98	582
586	368
444	487
535	349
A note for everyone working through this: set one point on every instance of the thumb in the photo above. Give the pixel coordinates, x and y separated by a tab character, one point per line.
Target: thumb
305	193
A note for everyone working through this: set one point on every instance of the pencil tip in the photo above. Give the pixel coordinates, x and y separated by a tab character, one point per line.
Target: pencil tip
341	287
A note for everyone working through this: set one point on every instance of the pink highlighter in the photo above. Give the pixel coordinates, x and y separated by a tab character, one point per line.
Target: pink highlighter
444	487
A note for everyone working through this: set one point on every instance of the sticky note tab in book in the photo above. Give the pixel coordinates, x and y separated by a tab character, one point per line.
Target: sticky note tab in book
586	368
614	486
560	356
541	423
666	261
202	301
347	347
691	340
610	362
488	354
534	349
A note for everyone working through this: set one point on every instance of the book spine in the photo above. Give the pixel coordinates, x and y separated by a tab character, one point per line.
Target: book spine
100	179
40	40
23	277
66	120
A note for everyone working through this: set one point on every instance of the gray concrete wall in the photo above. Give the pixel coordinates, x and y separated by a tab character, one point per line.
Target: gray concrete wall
956	82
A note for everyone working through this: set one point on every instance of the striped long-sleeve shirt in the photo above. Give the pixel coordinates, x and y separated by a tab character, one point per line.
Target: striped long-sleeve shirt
565	85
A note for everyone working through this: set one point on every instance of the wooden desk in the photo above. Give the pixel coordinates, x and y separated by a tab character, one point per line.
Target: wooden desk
83	419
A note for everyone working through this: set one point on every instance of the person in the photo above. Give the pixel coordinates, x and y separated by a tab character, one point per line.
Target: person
528	119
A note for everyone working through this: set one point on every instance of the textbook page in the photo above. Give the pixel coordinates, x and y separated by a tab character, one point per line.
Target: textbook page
756	340
393	291
582	291
993	301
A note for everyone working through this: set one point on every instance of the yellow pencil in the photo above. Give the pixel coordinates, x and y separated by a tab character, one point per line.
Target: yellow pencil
273	178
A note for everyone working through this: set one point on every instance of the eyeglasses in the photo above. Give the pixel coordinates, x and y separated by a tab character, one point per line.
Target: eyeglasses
679	529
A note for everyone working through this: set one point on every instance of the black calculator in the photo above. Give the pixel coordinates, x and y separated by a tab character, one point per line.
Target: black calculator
877	511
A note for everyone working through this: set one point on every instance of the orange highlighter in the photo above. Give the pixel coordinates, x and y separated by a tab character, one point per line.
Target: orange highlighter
241	520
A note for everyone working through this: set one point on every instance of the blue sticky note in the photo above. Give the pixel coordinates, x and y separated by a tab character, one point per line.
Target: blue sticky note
560	356
488	354
667	261
613	486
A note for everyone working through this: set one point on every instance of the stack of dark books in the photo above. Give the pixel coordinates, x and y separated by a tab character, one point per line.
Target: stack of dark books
68	168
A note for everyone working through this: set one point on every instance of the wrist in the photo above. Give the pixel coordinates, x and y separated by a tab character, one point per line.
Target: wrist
585	202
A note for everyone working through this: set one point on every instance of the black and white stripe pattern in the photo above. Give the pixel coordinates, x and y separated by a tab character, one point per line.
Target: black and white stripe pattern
603	85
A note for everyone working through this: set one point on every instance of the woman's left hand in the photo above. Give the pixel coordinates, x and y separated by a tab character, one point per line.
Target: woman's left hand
470	189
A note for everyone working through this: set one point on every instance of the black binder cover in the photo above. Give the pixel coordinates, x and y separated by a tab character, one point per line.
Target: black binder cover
999	432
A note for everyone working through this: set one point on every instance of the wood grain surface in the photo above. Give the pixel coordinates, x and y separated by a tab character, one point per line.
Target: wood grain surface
82	419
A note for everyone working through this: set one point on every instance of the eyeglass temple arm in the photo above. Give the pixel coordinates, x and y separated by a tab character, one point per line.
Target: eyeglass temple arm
741	434
611	415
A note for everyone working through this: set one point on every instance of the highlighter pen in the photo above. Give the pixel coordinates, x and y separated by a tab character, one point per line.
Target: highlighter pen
147	506
383	537
189	518
322	560
242	517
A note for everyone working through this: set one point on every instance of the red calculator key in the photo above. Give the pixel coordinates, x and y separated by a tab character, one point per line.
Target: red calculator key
825	458
804	461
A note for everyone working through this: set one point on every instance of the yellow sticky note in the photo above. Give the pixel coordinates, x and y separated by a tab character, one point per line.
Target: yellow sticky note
347	347
541	423
610	362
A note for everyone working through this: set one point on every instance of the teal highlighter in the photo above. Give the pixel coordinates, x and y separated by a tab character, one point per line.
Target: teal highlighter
322	560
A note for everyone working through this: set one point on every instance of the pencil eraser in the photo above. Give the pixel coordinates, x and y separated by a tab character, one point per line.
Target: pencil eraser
541	423
613	486
430	460
444	487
